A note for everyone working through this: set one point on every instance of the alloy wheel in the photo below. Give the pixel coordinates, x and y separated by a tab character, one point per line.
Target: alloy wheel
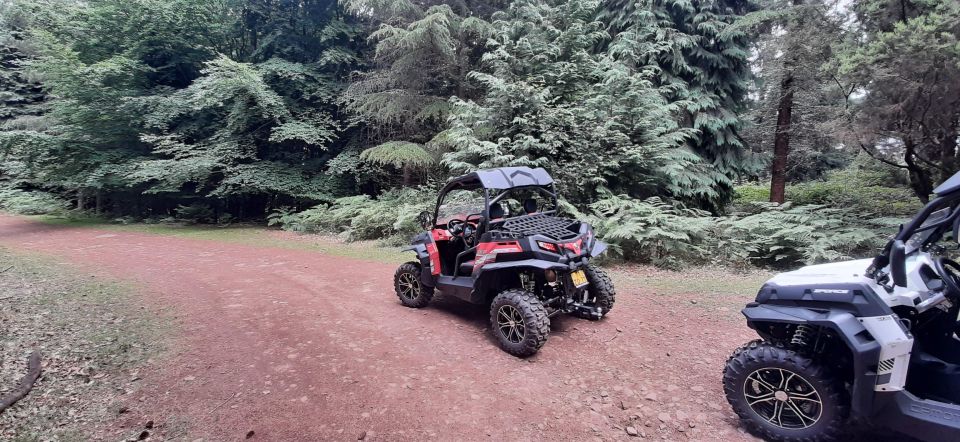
782	398
510	322
409	286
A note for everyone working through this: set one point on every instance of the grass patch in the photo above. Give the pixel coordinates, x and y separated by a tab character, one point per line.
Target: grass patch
713	289
93	338
251	235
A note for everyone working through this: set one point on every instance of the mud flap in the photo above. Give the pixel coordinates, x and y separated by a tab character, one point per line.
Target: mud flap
427	273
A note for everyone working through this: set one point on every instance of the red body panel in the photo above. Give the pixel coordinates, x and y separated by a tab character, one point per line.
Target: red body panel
440	235
434	258
487	251
436	235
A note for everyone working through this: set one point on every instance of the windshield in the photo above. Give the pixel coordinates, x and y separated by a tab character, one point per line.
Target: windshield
458	204
917	240
524	201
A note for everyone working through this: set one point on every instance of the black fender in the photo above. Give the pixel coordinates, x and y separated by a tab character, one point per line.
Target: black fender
490	276
422	254
599	247
864	351
539	264
419	246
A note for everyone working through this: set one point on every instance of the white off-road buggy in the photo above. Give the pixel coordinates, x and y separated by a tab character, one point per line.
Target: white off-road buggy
872	340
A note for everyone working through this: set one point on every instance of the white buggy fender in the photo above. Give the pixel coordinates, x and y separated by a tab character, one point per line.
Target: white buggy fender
895	348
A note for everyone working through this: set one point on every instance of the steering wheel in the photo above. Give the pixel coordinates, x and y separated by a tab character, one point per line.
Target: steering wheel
463	229
455	226
949	271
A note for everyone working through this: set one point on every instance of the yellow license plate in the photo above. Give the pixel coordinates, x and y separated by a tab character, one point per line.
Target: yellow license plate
579	278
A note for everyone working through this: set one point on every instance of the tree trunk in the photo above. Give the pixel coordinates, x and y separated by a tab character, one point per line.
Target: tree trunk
81	199
99	209
781	137
407	176
781	141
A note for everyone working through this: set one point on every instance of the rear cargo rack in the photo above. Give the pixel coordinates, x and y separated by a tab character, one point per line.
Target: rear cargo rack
558	229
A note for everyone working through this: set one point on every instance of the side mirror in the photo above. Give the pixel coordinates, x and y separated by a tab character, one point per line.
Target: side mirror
425	219
898	263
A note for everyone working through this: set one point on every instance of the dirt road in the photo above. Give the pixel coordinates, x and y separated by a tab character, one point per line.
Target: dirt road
295	345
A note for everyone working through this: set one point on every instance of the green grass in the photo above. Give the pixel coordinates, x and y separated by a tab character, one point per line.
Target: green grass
714	289
717	282
92	333
251	235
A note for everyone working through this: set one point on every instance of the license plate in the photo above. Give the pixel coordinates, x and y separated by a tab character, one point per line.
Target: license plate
579	278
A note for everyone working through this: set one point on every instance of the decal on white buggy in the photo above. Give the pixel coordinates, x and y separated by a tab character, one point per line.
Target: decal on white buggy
895	348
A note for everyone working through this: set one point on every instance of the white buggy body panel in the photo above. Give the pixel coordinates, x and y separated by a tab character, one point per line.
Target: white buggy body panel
895	341
915	295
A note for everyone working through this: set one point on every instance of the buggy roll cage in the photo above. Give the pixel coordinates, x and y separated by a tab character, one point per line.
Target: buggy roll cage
484	225
894	253
496	185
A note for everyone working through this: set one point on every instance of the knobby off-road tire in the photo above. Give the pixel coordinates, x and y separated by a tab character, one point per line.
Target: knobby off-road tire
412	292
600	291
760	375
519	322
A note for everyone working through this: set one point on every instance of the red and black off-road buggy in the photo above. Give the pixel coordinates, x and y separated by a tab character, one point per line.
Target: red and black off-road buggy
494	239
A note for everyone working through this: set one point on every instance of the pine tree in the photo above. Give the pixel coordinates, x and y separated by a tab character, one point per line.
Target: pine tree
421	59
148	111
704	69
553	101
798	96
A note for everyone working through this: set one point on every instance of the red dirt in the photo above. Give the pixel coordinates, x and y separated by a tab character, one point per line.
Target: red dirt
296	345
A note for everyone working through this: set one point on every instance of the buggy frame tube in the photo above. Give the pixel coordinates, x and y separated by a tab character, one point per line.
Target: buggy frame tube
913	226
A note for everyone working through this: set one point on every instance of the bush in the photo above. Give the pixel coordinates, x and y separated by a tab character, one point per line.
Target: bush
869	193
197	212
786	236
844	190
391	217
35	202
768	235
651	230
648	231
751	193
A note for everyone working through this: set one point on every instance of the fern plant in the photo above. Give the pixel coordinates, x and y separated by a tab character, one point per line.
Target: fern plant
651	230
787	235
402	155
391	217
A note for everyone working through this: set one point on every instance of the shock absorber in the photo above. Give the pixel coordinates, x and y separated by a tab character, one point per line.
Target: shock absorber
801	336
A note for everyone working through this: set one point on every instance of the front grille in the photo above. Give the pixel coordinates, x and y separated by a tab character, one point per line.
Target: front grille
558	229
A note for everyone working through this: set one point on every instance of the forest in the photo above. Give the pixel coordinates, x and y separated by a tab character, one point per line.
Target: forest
748	133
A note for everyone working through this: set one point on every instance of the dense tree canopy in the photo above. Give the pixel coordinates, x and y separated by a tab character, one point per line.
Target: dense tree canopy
247	106
239	108
909	66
